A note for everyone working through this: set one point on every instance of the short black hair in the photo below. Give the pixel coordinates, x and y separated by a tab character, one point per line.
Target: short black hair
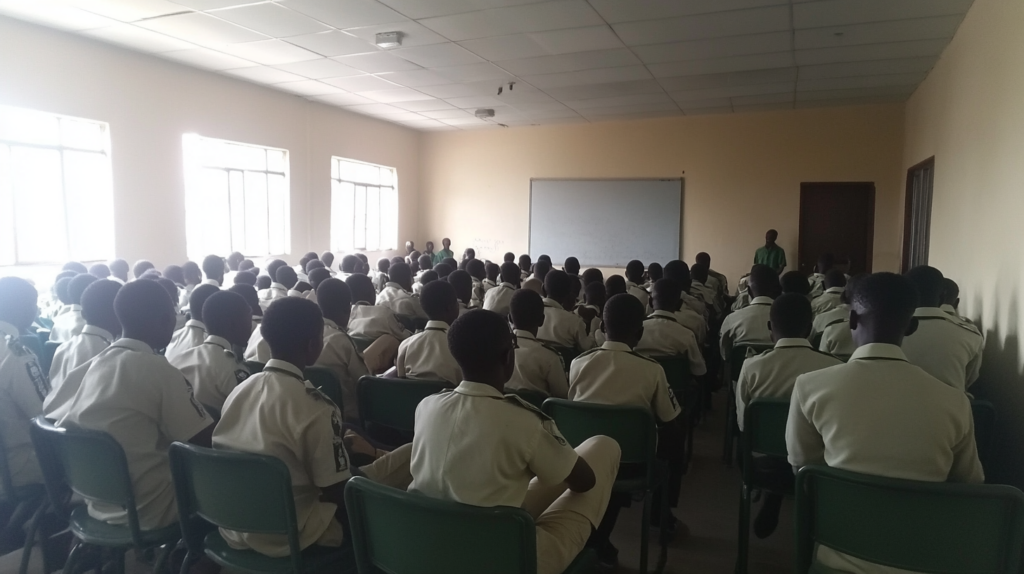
835	278
334	297
18	298
99	270
286	276
170	287
310	255
98	301
509	257
623	315
75	266
273	266
667	294
140	267
541	269
594	294
78	285
592	276
557	285
302	286
524	260
138	303
825	263
928	281
443	270
493	271
469	253
361	288
764	281
263	282
679	272
198	298
478	340
450	262
383	264
290	323
248	292
327	257
476	269
571	266
400	273
462	283
118	266
544	257
437	298
795	282
886	295
791	316
61	289
655	271
318	275
213	265
245	278
950	291
428	276
246	264
425	262
313	264
615	285
699	272
635	270
175	273
234	260
221	311
150	275
348	263
704	258
510	273
192	271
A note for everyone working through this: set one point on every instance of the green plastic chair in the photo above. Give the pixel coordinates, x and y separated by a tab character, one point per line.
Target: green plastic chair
362	343
397	532
568	354
816	340
323	379
30	498
637	434
764	424
255	367
732	374
535	398
387	407
46	359
935	527
984	427
94	466
247	493
411	323
686	391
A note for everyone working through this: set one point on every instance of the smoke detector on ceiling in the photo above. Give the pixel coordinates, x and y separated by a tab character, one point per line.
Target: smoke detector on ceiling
484	113
389	39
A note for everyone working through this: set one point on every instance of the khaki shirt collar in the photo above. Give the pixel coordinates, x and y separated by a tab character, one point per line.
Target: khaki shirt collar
835	290
99	332
930	312
440	325
548	302
469	388
331	324
949	309
196	324
509	285
284	366
761	301
134	345
615	346
788	343
219	341
879	351
520	334
661	313
276	285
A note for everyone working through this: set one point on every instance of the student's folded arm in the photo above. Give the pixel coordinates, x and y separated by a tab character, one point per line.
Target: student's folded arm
581	478
803	441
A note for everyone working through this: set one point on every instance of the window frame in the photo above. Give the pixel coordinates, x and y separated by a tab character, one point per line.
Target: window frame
383	243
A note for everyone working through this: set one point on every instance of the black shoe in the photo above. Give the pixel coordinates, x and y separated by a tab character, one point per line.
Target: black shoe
607	554
768	517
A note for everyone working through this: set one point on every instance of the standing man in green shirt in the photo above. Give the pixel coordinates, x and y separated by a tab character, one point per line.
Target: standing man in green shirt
771	254
444	253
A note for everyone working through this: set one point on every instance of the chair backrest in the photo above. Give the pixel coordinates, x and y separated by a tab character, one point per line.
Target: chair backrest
739	355
49	350
677	371
255	367
362	343
234	490
387	407
920	526
535	398
6	482
53	471
397	532
632	427
764	431
323	379
568	354
984	426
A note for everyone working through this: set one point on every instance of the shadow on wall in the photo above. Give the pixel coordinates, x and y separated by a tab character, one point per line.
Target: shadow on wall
1002	383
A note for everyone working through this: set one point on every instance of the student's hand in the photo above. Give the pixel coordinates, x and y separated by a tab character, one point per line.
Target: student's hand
357	444
581	479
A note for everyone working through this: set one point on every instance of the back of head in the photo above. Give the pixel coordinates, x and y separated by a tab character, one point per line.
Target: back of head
247	265
150	275
119	268
950	292
99	270
140	267
571	266
928	281
383	264
885	300
450	262
291	326
615	285
558	286
509	257
425	262
428	277
413	261
525	262
655	272
303	262
679	272
146	313
18	300
666	295
835	278
248	292
480	342
311	255
443	270
764	282
272	268
624	318
791	316
395	260
825	263
541	269
544	257
334	298
263	282
234	260
170	287
318	275
175	273
98	305
594	294
314	264
510	273
703	258
193	275
592	276
469	253
476	269
635	271
61	289
328	259
439	301
699	272
493	271
401	274
229	315
245	278
198	298
462	283
286	276
361	288
213	266
795	282
74	266
78	285
302	287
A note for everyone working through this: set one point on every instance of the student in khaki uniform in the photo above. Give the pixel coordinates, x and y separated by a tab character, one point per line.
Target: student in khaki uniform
194	332
278	413
679	272
137	397
193	277
795	282
772	375
835	285
525	267
561	326
716	280
101	329
213	268
478	272
23	384
425	355
425	277
71	323
826	261
535	282
119	270
397	293
499	298
248	292
840	313
615	285
463	285
663	335
699	287
216	367
592	309
381	278
635	281
493	271
750	325
539	367
141	267
317	276
275	290
866	416
371	322
951	298
340	354
476	446
946	348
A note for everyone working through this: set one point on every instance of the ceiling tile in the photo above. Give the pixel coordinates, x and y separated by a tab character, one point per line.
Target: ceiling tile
767	107
342	99
708	103
332	43
539	107
54	15
129	11
423	124
577	40
734	91
715	48
271	19
202	29
377	62
859	82
357	84
868	68
398	116
613	101
464	121
606	90
722	65
474	102
448	114
615	11
708	111
417	78
320	68
376	109
474	72
522	96
413	34
551	114
308	88
211	4
708	81
630	109
598	76
915	49
137	38
425	105
878	32
264	75
515	19
346	13
460	90
270	52
505	47
207	59
570	62
437	55
885	92
395	95
716	25
843	12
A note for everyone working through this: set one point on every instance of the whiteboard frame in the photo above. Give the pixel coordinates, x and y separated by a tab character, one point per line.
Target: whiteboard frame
682	209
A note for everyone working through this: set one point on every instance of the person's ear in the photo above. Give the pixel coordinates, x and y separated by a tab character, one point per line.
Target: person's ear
854	320
912	327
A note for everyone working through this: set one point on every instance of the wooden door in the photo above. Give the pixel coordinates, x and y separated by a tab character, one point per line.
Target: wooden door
837	218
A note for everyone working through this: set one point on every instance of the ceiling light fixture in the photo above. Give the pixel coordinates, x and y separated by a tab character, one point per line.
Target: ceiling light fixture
485	113
389	40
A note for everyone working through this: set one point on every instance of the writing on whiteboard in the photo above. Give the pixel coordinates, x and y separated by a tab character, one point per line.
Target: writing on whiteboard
488	248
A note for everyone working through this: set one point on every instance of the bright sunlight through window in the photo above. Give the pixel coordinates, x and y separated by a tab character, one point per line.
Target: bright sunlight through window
364	206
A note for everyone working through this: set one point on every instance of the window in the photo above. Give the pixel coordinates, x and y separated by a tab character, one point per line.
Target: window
56	196
236	198
364	206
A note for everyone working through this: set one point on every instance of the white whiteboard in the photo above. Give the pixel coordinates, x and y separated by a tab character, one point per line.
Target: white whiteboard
606	222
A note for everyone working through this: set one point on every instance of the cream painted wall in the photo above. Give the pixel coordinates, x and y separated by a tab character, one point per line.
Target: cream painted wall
743	175
969	115
149	103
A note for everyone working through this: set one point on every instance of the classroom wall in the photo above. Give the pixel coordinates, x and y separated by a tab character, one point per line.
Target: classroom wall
969	115
150	102
742	172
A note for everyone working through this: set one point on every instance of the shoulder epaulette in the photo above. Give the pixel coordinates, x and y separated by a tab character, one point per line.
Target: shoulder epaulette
836	322
589	352
319	396
644	357
520	402
662	317
820	352
951	319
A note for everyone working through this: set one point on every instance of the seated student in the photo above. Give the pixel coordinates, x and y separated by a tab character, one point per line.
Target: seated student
478	275
59	301
263	283
866	416
413	261
381	279
575	289
717	281
428	276
571	266
364	267
679	272
663	335
369	321
140	267
23	384
177	274
101	329
340	355
944	347
468	254
444	269
562	327
463	285
513	456
119	270
249	294
136	396
194	332
245	278
99	270
835	284
592	309
591	276
216	367
509	257
749	325
425	355
248	265
286	278
772	375
450	262
311	265
316	276
397	293
615	285
826	261
655	272
614	374
193	277
150	275
795	282
742	294
951	300
493	271
700	289
525	267
535	282
425	264
274	290
539	367
300	289
841	312
327	258
213	269
70	323
278	413
76	266
499	299
635	281
233	261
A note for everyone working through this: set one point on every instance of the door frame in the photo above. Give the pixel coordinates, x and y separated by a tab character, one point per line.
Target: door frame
908	210
804	189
